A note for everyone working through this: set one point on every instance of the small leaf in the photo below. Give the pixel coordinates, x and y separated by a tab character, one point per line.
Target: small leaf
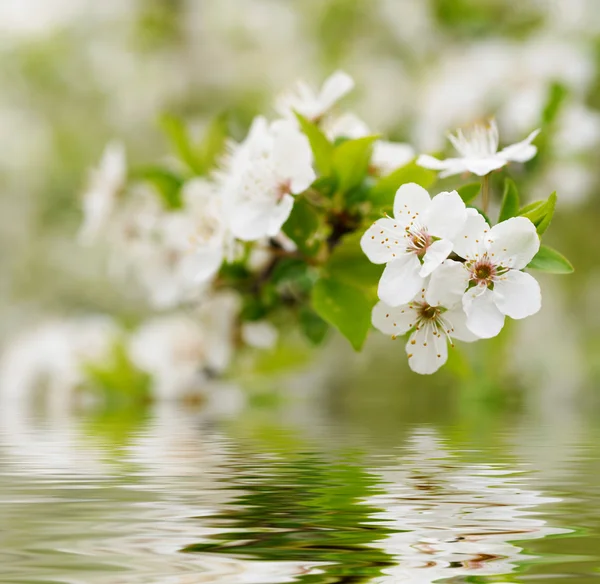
349	264
540	213
166	183
510	201
312	325
181	143
346	308
302	226
384	191
469	192
213	144
321	147
350	162
549	260
557	94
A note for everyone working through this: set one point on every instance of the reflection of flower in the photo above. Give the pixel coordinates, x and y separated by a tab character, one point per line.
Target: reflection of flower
414	242
479	154
100	197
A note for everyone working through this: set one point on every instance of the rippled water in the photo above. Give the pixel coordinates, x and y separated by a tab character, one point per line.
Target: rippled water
173	497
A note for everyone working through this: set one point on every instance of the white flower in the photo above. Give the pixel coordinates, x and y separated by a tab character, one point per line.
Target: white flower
494	258
273	164
415	242
479	154
259	334
435	316
311	104
100	197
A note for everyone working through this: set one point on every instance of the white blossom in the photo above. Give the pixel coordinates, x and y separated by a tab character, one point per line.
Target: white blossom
99	199
492	272
478	149
260	334
414	242
312	104
265	172
435	316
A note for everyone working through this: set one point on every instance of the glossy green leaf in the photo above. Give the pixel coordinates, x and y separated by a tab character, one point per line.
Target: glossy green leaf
469	192
510	201
321	147
550	208
550	260
345	307
540	213
350	162
384	191
302	226
312	325
350	265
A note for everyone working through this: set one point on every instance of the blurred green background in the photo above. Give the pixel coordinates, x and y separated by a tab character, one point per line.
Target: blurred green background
77	73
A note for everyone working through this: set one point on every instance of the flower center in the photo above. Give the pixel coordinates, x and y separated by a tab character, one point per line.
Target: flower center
283	188
427	312
418	240
483	272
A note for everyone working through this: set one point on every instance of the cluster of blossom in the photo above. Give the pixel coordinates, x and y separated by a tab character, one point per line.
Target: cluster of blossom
448	273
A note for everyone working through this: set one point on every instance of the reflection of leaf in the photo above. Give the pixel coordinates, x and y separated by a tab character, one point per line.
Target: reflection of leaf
345	307
550	260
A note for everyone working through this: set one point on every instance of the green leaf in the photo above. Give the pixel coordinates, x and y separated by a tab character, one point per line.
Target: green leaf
213	144
469	192
179	137
321	147
350	162
303	225
540	213
557	95
349	264
312	325
549	260
166	183
346	308
384	191
510	201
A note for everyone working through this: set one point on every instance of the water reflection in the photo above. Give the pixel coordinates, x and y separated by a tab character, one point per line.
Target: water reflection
171	497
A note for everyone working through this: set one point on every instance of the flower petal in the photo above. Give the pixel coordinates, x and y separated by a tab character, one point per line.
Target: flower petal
446	215
513	243
279	215
483	317
470	242
436	253
203	264
384	241
521	151
447	285
292	155
457	319
410	199
388	156
449	166
334	88
426	351
252	220
483	166
517	294
400	281
393	320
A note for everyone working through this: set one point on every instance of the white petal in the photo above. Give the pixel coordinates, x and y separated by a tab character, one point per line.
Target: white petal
447	285
393	320
517	294
446	215
457	319
203	264
280	215
449	166
513	243
388	156
292	155
384	241
470	242
436	253
410	199
400	281
483	317
252	220
521	151
483	166
334	88
426	351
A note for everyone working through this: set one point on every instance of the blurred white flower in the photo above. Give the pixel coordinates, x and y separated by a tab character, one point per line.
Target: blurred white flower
494	260
435	316
99	199
264	172
478	151
312	104
259	334
414	242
